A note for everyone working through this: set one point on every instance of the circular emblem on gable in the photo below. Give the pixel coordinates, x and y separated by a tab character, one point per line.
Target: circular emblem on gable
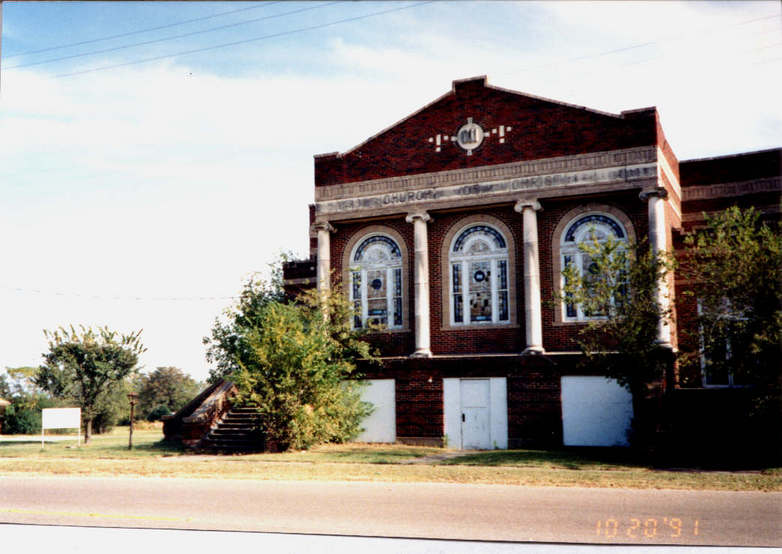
469	136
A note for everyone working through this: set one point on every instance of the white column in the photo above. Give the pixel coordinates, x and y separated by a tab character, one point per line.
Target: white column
533	322
324	256
658	243
421	281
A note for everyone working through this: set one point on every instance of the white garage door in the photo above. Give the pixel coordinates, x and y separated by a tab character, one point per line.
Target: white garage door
595	412
380	426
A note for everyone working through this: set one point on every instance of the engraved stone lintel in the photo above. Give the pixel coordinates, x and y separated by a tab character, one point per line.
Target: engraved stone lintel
512	170
656	191
527	203
423	216
542	185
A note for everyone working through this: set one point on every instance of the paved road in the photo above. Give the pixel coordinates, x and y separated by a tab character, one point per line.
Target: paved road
469	512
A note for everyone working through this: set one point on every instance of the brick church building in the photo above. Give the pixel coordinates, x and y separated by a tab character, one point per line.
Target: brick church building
450	230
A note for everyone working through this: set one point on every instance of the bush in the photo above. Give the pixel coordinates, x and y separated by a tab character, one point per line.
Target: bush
158	413
300	371
168	387
21	421
104	421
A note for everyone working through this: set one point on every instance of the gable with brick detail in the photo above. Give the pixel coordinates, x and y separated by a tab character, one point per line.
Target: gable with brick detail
515	127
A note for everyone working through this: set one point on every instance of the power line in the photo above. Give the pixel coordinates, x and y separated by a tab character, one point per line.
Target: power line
147	30
245	41
154	41
640	45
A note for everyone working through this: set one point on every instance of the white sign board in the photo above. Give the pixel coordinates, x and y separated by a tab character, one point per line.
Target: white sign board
61	418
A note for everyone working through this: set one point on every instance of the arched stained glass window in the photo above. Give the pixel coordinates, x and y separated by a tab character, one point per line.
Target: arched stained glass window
479	276
588	228
376	283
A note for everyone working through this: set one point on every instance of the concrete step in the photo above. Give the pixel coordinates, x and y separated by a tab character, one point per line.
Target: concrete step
237	431
231	441
238	426
249	446
233	415
232	432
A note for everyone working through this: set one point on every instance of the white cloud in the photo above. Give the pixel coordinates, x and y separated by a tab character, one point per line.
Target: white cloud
157	181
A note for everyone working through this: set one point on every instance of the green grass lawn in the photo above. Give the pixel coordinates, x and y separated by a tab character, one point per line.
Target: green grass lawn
577	459
109	455
146	443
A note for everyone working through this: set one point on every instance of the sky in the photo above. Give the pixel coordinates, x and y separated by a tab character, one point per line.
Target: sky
154	155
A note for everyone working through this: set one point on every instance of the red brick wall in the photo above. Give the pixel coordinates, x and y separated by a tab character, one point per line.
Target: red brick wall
710	171
557	336
540	129
534	409
496	339
472	339
419	405
391	343
733	168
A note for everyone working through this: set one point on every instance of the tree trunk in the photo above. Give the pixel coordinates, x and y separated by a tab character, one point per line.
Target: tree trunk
87	430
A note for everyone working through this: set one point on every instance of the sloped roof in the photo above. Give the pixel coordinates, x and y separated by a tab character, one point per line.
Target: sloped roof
518	127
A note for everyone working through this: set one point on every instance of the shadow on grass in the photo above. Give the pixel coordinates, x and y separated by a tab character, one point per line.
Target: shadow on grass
162	447
366	455
338	453
618	458
576	458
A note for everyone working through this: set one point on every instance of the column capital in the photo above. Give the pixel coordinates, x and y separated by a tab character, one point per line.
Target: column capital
323	226
423	216
656	191
527	203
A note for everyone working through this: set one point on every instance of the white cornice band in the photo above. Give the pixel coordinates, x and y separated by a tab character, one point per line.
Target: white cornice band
754	186
542	186
532	168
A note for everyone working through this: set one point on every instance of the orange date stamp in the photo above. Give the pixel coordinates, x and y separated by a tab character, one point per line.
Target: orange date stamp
647	528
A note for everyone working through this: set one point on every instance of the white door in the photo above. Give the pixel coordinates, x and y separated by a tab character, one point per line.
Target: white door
476	429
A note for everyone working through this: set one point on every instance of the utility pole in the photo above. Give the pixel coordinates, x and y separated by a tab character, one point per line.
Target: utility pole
132	396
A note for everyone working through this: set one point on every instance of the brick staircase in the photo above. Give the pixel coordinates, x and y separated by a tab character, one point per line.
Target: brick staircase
237	431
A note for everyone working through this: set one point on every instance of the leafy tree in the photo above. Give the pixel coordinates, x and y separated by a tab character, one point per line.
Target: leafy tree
734	269
620	291
21	420
19	382
5	387
227	346
113	408
298	366
23	416
165	390
87	366
158	412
